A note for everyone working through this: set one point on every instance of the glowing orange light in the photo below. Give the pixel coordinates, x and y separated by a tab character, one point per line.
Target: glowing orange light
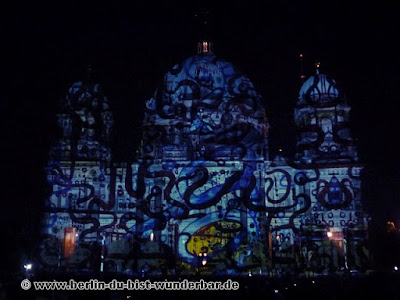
205	47
70	235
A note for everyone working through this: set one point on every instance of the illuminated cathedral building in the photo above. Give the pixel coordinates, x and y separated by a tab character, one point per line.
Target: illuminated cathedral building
203	195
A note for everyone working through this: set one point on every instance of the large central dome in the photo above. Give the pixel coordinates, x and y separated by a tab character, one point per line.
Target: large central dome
208	108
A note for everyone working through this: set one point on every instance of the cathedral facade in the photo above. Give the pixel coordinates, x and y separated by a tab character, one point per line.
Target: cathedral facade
203	195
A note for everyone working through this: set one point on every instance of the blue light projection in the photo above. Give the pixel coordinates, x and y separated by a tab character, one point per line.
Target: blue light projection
203	185
208	110
322	116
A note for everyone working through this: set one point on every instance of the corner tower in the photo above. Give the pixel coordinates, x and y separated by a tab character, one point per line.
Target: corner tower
322	117
86	121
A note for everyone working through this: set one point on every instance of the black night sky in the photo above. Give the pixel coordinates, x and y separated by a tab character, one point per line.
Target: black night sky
47	45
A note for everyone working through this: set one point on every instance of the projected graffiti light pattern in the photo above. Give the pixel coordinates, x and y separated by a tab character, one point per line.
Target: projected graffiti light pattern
215	210
322	116
205	109
202	186
86	120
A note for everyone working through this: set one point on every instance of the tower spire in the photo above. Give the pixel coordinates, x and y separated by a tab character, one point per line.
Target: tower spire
317	65
90	73
204	44
302	76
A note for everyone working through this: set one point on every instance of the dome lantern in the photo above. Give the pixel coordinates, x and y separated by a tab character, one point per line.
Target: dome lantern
205	47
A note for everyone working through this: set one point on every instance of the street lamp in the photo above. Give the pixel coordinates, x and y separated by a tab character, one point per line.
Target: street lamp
28	268
329	234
